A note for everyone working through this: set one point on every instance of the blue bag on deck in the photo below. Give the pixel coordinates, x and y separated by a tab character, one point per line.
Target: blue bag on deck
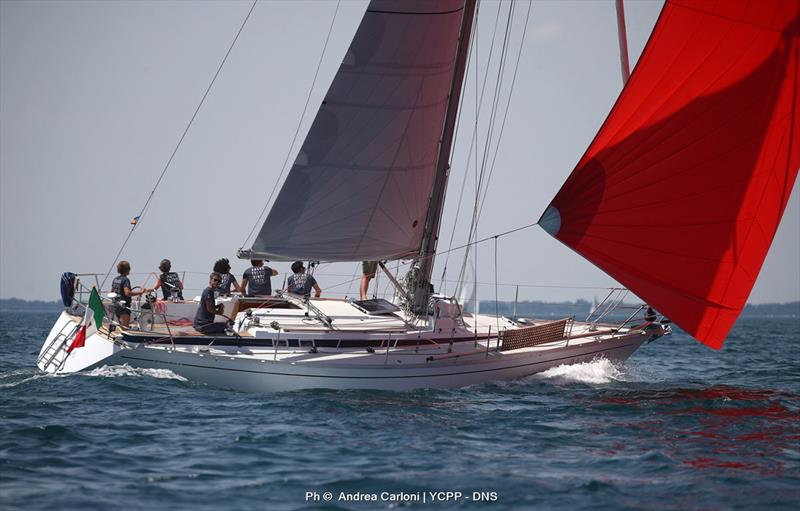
67	288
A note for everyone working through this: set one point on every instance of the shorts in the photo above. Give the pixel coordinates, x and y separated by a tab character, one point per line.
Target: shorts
212	328
120	310
369	268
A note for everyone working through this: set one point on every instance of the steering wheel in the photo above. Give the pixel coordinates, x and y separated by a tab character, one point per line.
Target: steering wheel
150	296
137	297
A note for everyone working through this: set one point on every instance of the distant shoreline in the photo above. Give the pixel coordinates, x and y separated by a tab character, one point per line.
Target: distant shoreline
525	308
15	304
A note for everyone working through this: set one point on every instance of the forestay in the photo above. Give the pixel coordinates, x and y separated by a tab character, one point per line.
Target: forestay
681	192
360	185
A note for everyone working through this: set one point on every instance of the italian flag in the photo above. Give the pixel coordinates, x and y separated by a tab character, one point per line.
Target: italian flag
95	312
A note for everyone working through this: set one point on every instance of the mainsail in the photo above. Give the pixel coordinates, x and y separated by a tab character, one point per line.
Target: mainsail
680	193
360	186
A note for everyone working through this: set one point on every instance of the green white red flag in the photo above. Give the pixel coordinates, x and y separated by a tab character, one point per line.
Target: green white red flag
92	320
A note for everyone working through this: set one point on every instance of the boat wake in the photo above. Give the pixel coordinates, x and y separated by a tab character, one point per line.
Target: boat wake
596	372
126	370
18	377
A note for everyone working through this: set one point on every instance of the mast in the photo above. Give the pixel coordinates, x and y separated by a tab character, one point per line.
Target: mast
436	202
623	43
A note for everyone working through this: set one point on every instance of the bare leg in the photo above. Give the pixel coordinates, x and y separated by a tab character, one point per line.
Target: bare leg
365	285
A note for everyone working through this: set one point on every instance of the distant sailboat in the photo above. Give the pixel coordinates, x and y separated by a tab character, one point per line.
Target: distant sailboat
678	198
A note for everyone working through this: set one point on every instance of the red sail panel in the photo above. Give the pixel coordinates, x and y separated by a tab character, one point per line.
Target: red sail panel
680	193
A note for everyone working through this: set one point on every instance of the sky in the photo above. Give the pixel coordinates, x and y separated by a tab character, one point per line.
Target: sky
94	97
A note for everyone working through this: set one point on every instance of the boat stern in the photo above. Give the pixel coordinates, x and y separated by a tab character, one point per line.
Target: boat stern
55	357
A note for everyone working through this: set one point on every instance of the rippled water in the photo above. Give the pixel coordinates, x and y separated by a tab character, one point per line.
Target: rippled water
678	427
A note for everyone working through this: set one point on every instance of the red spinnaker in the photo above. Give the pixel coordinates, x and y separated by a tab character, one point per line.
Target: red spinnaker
680	193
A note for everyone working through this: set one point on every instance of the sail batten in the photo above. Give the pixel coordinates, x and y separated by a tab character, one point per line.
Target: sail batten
680	193
360	185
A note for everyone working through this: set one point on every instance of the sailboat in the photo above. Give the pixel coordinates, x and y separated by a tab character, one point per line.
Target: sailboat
678	198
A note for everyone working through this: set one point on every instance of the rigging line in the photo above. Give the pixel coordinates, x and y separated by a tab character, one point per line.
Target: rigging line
351	281
505	114
484	183
459	288
496	98
478	105
178	145
494	236
297	130
493	117
471	243
505	233
473	44
544	286
478	108
496	297
508	102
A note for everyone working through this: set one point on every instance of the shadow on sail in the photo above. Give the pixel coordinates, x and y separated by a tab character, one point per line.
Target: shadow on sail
681	192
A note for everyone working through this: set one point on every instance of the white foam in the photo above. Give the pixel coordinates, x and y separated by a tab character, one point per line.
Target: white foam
598	371
126	370
6	384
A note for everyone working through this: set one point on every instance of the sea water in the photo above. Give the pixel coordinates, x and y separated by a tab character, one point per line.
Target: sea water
678	427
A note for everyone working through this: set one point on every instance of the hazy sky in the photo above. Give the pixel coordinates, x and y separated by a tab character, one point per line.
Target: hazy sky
95	95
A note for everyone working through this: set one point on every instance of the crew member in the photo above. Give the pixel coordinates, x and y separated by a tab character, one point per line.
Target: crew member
121	285
368	269
301	283
223	267
256	280
208	308
168	281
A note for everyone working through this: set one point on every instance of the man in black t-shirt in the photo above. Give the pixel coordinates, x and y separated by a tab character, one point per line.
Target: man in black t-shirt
169	282
121	285
301	283
207	309
256	280
227	280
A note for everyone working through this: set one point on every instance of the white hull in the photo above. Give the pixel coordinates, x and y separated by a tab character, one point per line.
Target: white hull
263	375
53	357
244	363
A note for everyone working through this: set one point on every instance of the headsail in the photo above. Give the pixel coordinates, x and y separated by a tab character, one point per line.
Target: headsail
360	186
680	193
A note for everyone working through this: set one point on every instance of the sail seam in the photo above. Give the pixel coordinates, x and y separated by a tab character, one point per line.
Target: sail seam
404	13
736	20
708	302
661	17
655	250
411	108
655	110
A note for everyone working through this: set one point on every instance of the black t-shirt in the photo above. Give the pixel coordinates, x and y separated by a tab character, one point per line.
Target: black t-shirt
226	281
170	281
118	286
203	317
258	280
301	283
